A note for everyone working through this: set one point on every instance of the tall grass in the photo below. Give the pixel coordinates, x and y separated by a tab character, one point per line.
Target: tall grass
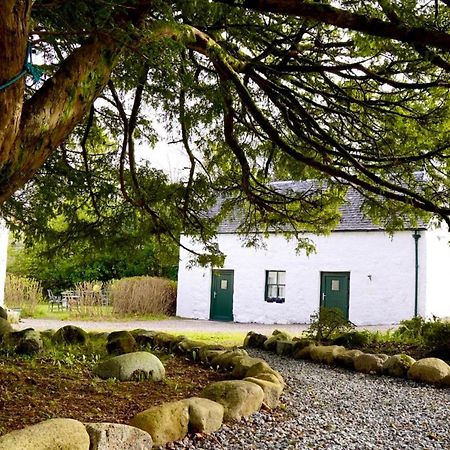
24	293
143	295
90	299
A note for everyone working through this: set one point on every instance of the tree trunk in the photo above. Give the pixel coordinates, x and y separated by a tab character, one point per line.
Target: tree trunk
14	24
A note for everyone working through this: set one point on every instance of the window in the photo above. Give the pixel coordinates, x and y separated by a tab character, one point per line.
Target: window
275	286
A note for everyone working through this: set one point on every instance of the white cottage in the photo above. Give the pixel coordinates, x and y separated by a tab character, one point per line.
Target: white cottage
374	278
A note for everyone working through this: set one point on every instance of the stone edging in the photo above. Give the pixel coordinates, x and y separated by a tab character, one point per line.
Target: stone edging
427	370
254	384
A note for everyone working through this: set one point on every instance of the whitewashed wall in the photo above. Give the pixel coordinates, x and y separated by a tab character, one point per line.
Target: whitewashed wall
438	272
3	257
384	298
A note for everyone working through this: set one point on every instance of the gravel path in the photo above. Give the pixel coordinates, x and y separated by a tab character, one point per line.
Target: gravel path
329	408
172	325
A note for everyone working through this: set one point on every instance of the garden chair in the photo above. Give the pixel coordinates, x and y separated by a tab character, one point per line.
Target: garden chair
54	300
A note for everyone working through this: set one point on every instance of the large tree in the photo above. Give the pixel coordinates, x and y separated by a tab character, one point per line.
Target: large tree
350	94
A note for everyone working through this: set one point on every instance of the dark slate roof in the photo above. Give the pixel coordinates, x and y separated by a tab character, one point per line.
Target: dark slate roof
352	217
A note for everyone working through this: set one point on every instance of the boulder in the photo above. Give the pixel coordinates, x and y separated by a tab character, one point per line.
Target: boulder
144	337
347	358
303	352
5	328
445	381
188	346
263	368
326	353
398	365
254	340
370	363
167	341
3	313
70	334
429	370
271	343
242	365
25	342
208	352
131	366
272	390
239	398
228	359
284	348
61	434
165	423
120	342
205	416
116	436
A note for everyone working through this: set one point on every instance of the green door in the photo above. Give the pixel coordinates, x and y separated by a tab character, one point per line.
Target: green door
222	295
334	290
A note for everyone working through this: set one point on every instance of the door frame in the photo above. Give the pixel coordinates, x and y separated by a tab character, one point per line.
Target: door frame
225	271
322	286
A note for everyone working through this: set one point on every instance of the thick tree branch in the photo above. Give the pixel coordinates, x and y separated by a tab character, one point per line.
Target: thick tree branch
344	19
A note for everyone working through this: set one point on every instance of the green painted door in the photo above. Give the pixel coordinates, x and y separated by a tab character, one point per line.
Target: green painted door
334	290
222	295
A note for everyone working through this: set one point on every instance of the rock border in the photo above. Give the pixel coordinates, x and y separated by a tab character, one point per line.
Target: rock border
254	384
426	370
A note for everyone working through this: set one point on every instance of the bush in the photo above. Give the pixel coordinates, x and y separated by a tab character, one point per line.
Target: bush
327	324
436	337
353	339
143	295
411	329
92	298
24	293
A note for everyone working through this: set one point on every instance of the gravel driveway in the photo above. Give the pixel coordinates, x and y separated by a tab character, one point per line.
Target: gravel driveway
334	409
172	325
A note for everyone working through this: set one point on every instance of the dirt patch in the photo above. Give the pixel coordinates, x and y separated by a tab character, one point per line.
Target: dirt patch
33	390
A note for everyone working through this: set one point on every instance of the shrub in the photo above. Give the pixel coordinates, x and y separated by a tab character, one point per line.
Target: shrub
143	295
353	339
24	293
436	337
411	329
327	324
91	298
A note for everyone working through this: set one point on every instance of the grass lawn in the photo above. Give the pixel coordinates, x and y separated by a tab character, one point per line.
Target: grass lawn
104	313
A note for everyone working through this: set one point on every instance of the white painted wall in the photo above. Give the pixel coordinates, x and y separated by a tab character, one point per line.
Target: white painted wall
3	258
438	272
386	298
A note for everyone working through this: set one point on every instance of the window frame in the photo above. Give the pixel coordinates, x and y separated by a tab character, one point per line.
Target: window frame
276	299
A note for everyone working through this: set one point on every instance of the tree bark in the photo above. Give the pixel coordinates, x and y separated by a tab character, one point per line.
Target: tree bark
14	27
50	115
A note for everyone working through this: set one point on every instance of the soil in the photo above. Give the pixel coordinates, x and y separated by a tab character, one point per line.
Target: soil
33	390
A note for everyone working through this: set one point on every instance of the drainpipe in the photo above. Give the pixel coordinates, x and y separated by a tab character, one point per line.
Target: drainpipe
416	237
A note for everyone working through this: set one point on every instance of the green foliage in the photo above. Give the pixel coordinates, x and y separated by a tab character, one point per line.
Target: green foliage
412	329
353	339
436	337
327	324
82	260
